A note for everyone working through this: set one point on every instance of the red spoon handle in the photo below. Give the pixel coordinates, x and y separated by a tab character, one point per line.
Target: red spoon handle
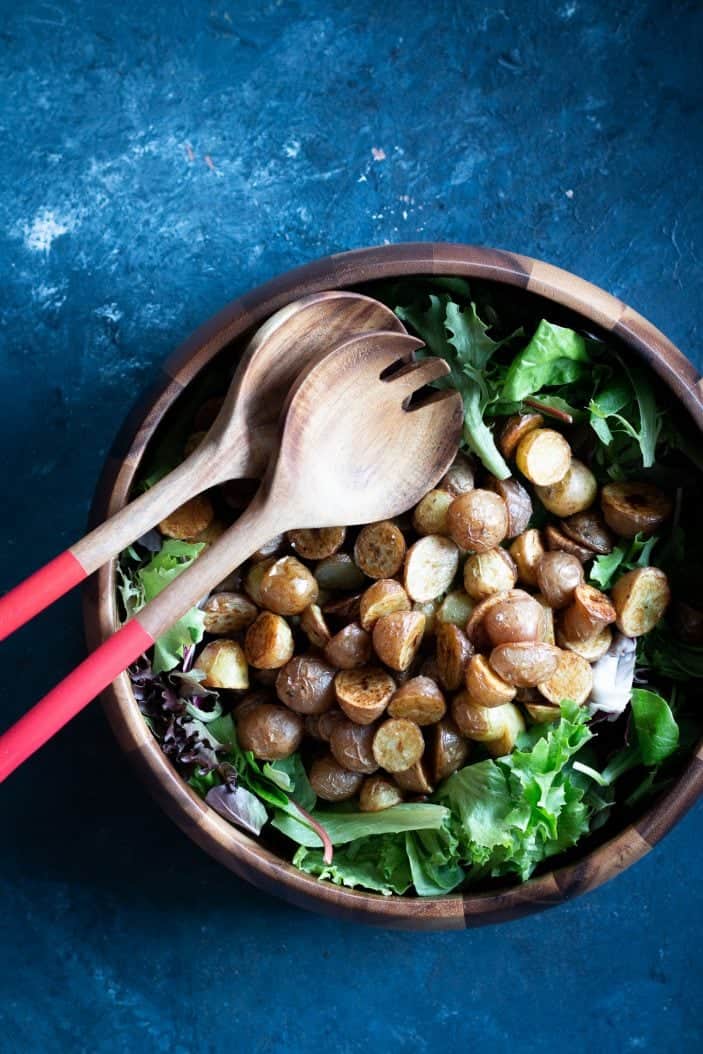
69	697
39	591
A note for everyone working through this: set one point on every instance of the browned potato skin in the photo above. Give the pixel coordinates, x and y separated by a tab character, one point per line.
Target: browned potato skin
592	649
589	611
397	744
377	794
287	587
572	679
480	723
634	508
224	664
345	607
484	686
190	519
380	549
558	575
543	456
589	530
351	744
459	478
339	572
326	723
515	429
517	501
430	566
548	625
449	749
397	638
364	694
350	648
315	543
430	514
306	685
269	642
382	598
640	599
513	619
254	576
251	699
525	664
453	654
475	628
228	613
331	781
312	623
420	700
271	732
478	520
527	550
212	533
558	542
575	492
487	573
415	779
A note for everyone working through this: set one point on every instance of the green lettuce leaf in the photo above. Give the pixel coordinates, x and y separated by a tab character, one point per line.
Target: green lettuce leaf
623	558
554	356
345	827
655	724
165	566
433	857
379	863
663	651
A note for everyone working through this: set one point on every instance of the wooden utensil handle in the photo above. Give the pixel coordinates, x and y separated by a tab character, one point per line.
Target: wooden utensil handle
94	674
61	574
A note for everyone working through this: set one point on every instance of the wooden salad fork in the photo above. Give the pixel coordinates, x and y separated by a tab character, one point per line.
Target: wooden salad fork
360	441
237	446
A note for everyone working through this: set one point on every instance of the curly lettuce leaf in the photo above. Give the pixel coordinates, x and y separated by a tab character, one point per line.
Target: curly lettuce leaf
379	863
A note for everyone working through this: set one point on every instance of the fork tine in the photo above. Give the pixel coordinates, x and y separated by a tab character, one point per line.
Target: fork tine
417	374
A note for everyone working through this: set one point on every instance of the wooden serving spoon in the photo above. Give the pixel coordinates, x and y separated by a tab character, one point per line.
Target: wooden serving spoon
237	446
355	447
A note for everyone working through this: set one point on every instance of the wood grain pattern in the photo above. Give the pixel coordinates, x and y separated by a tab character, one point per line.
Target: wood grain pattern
249	858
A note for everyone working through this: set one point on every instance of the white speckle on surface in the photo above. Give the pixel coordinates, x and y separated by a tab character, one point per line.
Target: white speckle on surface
404	214
111	312
568	10
291	148
45	228
362	179
378	153
569	193
49	296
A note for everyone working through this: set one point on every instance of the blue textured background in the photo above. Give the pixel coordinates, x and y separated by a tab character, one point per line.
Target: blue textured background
157	159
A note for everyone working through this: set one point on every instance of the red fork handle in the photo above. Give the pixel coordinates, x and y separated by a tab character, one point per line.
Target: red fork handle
39	591
69	697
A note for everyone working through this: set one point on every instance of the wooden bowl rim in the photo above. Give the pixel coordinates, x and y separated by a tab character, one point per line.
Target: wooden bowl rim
243	855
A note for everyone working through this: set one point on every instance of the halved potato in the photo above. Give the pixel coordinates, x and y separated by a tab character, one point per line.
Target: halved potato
558	575
589	530
557	541
640	599
515	429
453	654
543	456
459	478
364	694
377	794
430	566
478	520
456	608
327	722
189	519
475	627
345	607
397	638
527	550
270	731
254	576
481	723
383	597
339	572
287	587
488	573
514	618
350	648
517	501
505	744
269	644
273	547
525	664
380	549
312	622
572	679
420	700
484	686
351	745
331	781
587	614
574	492
449	749
635	508
541	712
306	684
430	515
228	612
224	664
592	649
315	543
398	744
416	779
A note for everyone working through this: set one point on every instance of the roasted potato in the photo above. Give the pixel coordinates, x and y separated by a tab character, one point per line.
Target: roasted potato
557	541
588	529
505	743
377	794
481	723
306	684
347	607
449	750
513	619
271	732
543	456
339	572
316	543
251	699
453	652
525	664
331	781
429	609
383	597
430	515
364	694
487	573
541	712
350	648
475	627
351	746
189	519
515	429
456	608
228	613
420	700
430	567
592	649
572	679
416	779
634	508
212	533
548	628
397	637
478	520
268	644
380	549
397	744
312	623
484	686
252	581
527	550
517	501
587	614
224	664
459	478
574	492
640	599
287	587
326	723
558	575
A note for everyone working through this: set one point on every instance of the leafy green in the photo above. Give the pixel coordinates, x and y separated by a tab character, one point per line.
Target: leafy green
433	861
626	407
554	356
623	558
656	736
349	826
661	650
379	863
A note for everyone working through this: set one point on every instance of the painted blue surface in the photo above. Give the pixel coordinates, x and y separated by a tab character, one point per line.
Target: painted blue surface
157	159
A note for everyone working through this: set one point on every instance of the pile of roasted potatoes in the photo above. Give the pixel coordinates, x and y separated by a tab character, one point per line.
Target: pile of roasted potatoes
382	653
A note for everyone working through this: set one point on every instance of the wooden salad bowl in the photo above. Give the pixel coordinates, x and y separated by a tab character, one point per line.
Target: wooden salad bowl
573	302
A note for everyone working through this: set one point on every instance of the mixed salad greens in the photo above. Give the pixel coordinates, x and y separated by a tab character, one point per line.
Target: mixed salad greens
495	817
